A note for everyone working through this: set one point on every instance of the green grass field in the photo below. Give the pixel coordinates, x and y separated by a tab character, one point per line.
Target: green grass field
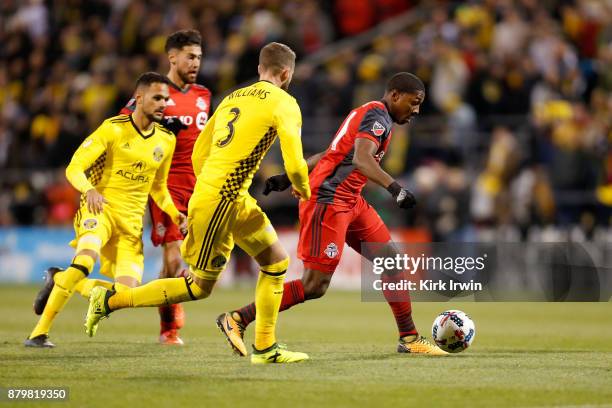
524	354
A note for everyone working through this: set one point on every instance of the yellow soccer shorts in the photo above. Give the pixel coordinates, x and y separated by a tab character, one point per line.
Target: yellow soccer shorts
215	224
121	252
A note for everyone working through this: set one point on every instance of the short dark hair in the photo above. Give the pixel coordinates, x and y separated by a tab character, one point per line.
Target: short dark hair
276	56
405	82
182	38
149	78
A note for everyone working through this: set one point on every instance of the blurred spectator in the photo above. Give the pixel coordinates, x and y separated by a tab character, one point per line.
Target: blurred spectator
516	127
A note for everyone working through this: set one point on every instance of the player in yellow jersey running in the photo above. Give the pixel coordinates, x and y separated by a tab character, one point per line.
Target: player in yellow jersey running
115	168
222	213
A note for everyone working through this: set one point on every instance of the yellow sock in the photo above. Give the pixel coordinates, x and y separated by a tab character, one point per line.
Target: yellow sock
63	289
120	287
268	296
160	292
85	286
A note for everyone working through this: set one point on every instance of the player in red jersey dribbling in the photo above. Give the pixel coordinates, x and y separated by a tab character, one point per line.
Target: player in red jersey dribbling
337	212
186	114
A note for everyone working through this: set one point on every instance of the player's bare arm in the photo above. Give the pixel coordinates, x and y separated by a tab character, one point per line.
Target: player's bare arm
364	161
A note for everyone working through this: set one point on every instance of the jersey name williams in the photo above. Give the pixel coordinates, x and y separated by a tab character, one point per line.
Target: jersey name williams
260	93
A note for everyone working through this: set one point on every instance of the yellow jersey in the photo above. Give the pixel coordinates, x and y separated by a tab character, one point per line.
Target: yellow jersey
230	148
125	166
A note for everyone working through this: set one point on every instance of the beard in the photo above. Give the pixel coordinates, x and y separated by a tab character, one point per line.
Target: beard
185	77
151	116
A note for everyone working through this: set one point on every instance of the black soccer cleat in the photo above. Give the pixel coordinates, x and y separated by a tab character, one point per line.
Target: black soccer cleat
43	294
40	341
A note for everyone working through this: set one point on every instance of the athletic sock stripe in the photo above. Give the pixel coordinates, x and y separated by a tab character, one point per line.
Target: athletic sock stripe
274	273
296	293
206	240
292	290
189	289
213	234
80	268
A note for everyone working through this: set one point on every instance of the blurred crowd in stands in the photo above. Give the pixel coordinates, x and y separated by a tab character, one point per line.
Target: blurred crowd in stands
515	131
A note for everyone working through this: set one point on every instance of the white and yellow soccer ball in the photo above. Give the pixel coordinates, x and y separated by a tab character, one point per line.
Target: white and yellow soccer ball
453	331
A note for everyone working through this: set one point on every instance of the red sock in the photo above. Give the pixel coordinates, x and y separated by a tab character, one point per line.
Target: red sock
400	304
166	318
172	317
293	294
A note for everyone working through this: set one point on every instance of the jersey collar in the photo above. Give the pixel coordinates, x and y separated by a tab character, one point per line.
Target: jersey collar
178	88
138	130
382	101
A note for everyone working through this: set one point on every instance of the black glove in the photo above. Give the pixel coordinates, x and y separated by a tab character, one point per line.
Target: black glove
173	124
403	197
277	183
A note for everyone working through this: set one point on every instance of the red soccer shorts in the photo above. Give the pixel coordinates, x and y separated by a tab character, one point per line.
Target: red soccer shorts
164	230
324	228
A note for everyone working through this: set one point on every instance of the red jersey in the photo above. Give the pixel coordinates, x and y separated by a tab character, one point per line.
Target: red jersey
335	180
192	107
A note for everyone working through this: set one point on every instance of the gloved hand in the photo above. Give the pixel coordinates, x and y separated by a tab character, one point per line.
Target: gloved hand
277	183
403	197
173	124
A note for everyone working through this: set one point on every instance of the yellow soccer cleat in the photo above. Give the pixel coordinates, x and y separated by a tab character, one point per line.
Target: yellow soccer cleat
233	332
419	345
97	310
277	355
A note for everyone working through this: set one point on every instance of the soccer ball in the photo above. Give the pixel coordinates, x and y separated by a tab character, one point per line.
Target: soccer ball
453	331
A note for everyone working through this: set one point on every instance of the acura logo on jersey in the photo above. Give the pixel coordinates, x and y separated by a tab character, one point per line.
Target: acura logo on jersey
331	251
139	166
201	103
378	129
132	175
